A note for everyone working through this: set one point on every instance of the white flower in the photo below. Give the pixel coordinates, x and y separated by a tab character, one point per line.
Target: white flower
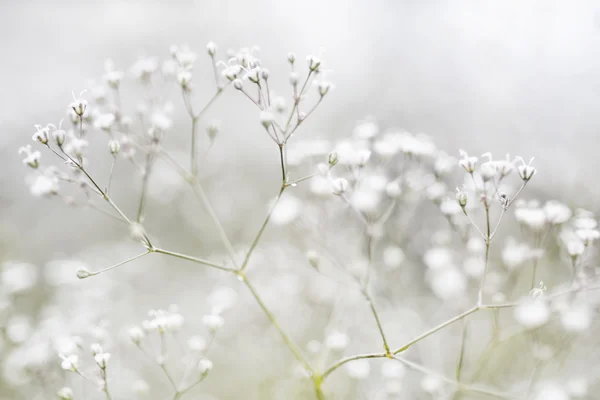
213	322
41	135
286	210
161	121
174	322
468	163
79	104
231	72
448	283
184	78
144	68
32	158
96	348
551	391
588	236
104	121
136	334
532	313
366	130
211	48
526	171
196	343
266	118
556	212
339	186
44	185
393	256
576	318
185	57
70	362
313	63
534	218
102	359
337	341
65	393
575	248
204	366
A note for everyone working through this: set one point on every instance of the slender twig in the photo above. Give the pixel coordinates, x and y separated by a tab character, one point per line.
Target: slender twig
377	320
261	230
288	341
193	259
119	264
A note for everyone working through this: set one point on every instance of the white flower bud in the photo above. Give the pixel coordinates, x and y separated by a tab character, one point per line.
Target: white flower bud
136	334
65	393
41	135
264	73
468	163
95	348
339	186
83	273
333	158
114	147
212	130
184	78
70	362
79	105
324	87
211	48
204	366
291	58
102	359
266	119
461	198
237	83
59	137
313	63
526	171
294	78
213	322
313	258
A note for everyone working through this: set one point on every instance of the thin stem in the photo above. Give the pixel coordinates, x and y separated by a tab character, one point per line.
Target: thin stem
297	181
145	179
462	352
288	341
110	176
487	254
473	223
297	101
211	212
163	360
193	259
261	230
284	178
437	328
119	264
193	150
377	320
343	361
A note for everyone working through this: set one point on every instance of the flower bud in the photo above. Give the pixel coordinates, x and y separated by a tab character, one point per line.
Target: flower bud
324	87
313	258
333	158
237	84
212	130
293	78
266	119
65	393
59	137
264	73
83	273
114	147
313	63
339	186
211	48
461	198
526	171
136	334
291	58
204	366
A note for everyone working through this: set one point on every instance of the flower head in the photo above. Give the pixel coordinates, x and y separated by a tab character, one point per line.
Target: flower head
468	163
526	171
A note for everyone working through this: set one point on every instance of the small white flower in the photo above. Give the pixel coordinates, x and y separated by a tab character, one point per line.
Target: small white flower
339	186
532	313
102	359
184	78
70	362
211	48
468	163
104	121
196	343
291	58
174	322
32	158
313	63
79	104
204	366
44	185
461	198
575	248
266	118
556	212
213	322
65	393
526	171
41	135
136	334
96	348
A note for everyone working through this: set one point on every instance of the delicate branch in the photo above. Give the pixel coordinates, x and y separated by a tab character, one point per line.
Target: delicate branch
89	273
193	259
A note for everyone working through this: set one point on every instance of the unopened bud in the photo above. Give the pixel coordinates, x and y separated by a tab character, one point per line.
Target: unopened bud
211	49
291	58
333	158
313	63
237	83
461	198
266	119
83	273
114	147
